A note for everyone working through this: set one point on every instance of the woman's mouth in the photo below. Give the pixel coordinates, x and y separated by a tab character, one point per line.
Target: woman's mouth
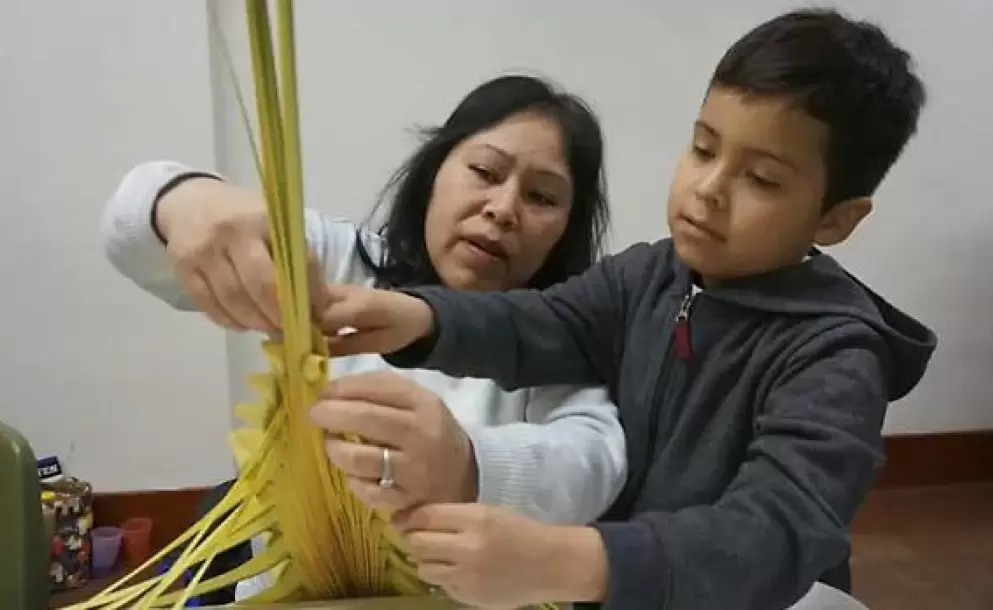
486	248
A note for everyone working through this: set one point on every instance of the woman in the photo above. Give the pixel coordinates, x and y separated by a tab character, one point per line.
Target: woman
507	193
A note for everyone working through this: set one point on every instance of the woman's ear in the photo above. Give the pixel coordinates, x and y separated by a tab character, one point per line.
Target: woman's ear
838	223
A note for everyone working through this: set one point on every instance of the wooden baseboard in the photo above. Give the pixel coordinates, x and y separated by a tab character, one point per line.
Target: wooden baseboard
913	461
172	510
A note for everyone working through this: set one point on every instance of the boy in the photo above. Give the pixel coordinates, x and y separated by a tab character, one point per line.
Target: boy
752	372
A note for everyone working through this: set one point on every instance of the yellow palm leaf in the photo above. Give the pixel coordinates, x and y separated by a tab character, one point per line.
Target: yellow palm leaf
322	542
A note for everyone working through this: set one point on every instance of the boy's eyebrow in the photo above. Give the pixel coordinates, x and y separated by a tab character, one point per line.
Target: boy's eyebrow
763	152
701	124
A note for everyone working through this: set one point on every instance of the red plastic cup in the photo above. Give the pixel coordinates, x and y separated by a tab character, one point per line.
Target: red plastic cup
106	549
137	533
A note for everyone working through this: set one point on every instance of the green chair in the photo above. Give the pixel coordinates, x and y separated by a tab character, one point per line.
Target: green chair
24	552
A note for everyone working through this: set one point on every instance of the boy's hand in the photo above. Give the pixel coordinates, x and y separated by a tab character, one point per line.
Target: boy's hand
491	556
360	320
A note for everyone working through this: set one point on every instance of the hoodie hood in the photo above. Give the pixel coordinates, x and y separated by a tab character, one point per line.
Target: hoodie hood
820	285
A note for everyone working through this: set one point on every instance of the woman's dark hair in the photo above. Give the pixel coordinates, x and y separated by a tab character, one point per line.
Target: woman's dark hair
405	260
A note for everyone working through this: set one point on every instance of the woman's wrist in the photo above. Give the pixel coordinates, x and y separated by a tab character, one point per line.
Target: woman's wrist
182	188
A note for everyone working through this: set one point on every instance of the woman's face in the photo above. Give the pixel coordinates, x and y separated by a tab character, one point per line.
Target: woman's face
499	204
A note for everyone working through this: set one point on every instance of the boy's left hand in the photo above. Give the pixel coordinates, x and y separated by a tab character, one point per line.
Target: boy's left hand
483	556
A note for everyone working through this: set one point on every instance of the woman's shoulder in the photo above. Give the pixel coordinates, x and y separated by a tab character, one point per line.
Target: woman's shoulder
343	246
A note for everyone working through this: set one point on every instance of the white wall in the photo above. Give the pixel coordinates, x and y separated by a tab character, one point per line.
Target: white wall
129	393
368	74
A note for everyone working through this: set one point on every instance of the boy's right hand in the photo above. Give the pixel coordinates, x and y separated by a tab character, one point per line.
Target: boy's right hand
361	320
216	239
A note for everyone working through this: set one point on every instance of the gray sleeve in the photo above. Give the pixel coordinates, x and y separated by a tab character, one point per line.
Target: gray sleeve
782	523
570	334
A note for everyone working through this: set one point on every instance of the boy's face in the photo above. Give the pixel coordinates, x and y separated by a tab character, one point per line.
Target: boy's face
747	195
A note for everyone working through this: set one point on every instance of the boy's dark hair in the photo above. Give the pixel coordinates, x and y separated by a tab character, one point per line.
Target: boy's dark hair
406	262
845	73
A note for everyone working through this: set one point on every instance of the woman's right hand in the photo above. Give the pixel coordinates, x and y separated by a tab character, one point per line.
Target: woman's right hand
216	239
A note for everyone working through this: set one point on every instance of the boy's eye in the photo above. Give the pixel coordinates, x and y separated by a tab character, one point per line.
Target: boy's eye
762	182
485	173
702	152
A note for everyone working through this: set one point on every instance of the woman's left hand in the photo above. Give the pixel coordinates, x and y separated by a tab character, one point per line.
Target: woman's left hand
430	458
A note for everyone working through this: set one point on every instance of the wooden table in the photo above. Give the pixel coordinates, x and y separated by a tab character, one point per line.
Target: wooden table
383	603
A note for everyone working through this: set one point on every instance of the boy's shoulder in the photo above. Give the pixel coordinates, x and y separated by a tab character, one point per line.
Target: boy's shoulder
831	308
644	263
641	252
825	305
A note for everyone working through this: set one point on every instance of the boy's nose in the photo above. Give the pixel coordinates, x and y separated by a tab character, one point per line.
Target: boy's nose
711	188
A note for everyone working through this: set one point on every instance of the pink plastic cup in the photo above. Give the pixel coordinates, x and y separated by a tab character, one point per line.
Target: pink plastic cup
137	540
106	549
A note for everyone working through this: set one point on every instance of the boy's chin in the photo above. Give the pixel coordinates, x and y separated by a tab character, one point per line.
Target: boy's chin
699	258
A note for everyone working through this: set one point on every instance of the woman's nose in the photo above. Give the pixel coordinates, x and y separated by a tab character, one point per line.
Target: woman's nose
501	208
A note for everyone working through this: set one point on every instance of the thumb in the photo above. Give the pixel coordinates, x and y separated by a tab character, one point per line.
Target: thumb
320	298
342	309
351	343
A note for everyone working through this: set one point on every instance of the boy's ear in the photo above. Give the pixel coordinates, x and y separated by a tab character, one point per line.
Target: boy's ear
840	221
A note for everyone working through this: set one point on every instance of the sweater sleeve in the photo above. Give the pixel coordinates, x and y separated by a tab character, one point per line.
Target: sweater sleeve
783	520
566	463
136	251
571	333
129	239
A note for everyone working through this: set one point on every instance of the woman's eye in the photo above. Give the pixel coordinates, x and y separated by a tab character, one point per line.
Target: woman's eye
543	199
485	173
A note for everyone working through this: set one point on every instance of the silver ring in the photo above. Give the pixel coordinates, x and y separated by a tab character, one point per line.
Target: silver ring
386	470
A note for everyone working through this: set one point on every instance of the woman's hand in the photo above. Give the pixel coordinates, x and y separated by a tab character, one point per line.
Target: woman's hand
490	556
216	238
430	457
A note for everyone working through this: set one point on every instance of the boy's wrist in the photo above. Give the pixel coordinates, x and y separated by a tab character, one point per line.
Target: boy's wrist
576	568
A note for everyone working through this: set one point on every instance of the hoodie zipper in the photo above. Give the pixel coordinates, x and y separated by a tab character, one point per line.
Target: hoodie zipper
676	376
683	345
683	338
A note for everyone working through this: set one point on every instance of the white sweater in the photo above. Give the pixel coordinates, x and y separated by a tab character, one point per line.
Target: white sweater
556	453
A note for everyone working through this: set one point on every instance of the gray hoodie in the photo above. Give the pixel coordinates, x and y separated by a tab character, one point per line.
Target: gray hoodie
753	411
